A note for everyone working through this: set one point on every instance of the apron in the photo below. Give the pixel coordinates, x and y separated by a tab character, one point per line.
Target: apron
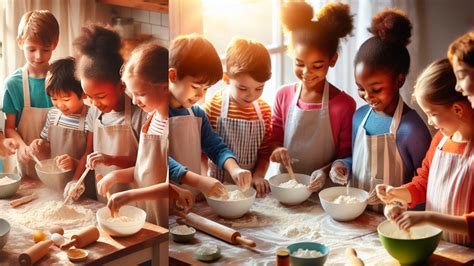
185	143
243	137
31	123
450	186
117	140
308	136
152	169
376	158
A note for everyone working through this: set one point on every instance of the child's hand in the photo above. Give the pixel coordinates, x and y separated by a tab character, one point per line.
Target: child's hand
281	155
9	146
383	192
261	185
393	210
211	187
37	145
105	183
318	178
411	218
65	162
182	197
373	199
69	189
339	173
96	158
24	154
117	200
242	178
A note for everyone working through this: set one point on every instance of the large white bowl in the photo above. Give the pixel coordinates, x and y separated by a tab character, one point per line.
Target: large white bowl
232	209
9	190
4	232
52	176
290	196
117	228
344	211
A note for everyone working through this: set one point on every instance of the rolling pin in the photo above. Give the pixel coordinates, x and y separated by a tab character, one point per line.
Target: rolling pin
35	253
83	238
23	200
215	229
353	259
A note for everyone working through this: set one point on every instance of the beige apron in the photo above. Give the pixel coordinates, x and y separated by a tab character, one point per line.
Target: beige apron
450	186
31	123
376	159
308	136
243	138
117	140
152	169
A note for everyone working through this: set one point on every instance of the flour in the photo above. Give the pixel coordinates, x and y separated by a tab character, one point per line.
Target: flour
51	168
343	199
232	196
6	180
121	219
306	253
182	230
398	234
291	184
301	230
207	249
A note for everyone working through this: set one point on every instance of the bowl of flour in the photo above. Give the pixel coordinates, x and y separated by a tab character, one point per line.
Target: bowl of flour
342	206
53	176
235	205
9	184
289	191
126	222
308	253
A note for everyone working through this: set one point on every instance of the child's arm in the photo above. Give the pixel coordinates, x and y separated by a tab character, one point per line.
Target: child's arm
81	164
10	132
8	146
97	158
258	176
155	192
114	177
451	223
241	177
182	197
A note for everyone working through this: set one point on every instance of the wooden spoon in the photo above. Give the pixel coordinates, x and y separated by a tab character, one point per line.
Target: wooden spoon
290	172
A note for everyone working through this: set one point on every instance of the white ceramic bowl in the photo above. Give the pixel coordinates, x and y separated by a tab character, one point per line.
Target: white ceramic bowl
290	196
9	190
4	232
118	228
344	211
52	176
232	209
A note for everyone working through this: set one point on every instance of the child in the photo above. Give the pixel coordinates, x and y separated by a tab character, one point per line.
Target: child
389	138
461	56
194	67
114	121
445	180
25	101
312	118
237	113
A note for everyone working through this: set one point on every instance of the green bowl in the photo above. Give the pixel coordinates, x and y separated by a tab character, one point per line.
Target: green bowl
297	261
9	190
182	238
409	251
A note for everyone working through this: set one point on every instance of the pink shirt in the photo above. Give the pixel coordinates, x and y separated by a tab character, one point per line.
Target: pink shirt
341	110
157	126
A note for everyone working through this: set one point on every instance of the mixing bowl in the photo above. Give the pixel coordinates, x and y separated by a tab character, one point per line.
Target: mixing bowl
121	228
343	211
52	176
289	196
9	189
232	209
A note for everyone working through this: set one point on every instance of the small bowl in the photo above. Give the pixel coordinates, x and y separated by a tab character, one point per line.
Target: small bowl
4	232
208	257
52	176
409	251
10	189
290	196
182	238
77	254
343	212
232	209
120	229
298	261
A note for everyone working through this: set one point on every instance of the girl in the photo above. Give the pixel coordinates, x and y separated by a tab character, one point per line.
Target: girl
313	115
461	56
445	180
389	138
114	122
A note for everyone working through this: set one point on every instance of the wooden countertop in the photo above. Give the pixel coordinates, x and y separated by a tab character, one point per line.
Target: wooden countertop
106	249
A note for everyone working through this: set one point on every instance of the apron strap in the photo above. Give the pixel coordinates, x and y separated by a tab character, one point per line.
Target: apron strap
397	117
26	86
325	99
226	101
190	111
128	111
82	118
56	119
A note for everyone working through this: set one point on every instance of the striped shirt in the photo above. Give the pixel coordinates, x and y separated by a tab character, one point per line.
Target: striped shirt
65	121
157	126
213	111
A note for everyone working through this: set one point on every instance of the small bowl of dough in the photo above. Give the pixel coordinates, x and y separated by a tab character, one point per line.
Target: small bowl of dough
207	252
308	253
4	232
289	191
182	233
77	255
53	176
236	205
126	222
342	207
9	184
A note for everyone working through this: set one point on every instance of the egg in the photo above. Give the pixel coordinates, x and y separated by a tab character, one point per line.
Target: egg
57	239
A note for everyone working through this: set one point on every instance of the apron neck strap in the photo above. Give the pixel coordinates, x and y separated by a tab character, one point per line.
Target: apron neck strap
324	100
82	118
190	111
26	86
56	119
397	116
226	103
128	111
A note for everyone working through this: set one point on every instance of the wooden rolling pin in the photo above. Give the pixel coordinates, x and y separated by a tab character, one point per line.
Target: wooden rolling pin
83	238
35	253
23	200
353	259
215	229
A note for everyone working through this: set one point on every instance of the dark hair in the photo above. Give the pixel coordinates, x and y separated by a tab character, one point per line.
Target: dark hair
245	56
334	22
99	58
148	62
62	79
463	49
193	55
436	84
387	48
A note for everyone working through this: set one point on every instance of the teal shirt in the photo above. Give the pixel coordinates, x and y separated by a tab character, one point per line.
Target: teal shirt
13	99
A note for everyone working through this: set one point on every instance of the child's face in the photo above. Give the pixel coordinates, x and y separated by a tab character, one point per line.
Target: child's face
311	65
244	90
377	87
441	117
465	79
105	96
67	102
146	96
37	55
185	92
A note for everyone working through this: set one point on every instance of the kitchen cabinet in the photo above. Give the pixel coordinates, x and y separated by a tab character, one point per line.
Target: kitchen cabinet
152	5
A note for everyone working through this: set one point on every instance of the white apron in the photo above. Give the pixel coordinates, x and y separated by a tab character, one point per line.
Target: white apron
31	123
450	186
243	137
152	169
376	159
117	140
308	135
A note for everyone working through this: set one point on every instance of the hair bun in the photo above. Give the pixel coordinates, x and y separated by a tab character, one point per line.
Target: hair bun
295	15
392	25
337	18
96	41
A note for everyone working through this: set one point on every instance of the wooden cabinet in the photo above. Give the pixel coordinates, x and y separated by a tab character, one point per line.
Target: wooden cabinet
152	5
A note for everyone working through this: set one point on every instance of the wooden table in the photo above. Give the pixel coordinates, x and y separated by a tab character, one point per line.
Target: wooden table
360	234
150	243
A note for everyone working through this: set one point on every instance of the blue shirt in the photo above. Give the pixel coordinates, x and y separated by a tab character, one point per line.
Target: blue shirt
211	144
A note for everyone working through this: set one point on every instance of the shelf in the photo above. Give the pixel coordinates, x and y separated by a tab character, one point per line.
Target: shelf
147	5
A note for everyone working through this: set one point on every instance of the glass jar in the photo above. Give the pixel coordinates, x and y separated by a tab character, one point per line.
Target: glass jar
124	26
